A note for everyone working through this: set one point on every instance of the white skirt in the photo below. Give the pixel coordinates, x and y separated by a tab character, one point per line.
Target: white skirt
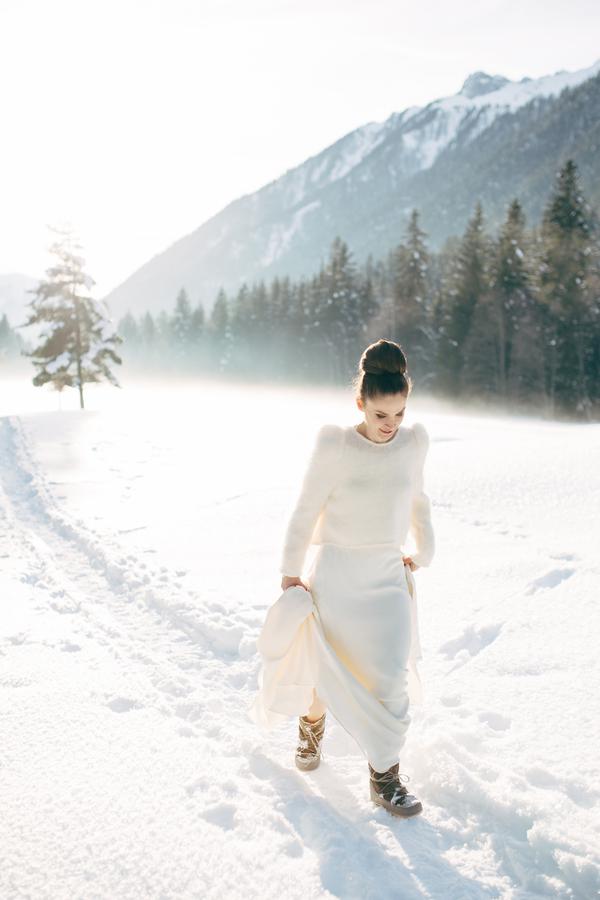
354	639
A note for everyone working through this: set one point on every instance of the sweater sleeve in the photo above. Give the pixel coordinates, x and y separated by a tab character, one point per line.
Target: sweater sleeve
320	476
420	518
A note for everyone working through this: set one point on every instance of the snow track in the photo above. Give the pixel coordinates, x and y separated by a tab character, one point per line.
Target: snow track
174	657
129	767
133	611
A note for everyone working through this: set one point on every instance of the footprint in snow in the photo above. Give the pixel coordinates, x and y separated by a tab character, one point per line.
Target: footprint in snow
123	704
495	720
451	700
578	791
222	815
186	731
192	710
62	602
199	784
472	641
549	579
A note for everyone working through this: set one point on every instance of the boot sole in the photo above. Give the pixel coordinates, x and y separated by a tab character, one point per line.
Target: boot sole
402	811
307	765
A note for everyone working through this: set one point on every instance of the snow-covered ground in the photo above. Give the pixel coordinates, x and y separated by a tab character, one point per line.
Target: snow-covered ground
139	544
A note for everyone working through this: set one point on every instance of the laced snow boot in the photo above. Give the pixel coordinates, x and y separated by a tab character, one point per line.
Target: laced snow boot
310	736
387	790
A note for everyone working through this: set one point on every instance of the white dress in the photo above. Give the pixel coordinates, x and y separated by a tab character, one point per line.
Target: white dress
353	637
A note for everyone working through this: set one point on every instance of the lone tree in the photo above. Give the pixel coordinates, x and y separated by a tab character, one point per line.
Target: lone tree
76	342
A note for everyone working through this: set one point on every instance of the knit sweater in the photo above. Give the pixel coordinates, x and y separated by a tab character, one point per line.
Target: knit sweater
358	492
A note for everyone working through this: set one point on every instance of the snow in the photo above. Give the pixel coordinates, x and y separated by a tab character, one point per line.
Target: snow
331	164
517	93
363	141
426	131
435	126
428	138
281	235
139	541
63	360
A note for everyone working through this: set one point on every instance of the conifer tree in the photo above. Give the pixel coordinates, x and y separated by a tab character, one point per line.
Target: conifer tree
181	321
341	308
148	336
525	378
219	329
369	305
219	316
565	232
9	340
129	329
511	290
198	322
468	285
410	263
76	343
163	339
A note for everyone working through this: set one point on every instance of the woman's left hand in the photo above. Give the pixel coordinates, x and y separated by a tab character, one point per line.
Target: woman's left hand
407	560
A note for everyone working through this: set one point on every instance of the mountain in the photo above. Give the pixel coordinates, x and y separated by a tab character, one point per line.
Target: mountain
494	140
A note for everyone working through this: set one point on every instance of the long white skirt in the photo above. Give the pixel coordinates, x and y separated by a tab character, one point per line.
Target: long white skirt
354	639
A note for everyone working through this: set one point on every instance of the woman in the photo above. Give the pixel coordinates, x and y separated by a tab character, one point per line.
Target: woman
360	496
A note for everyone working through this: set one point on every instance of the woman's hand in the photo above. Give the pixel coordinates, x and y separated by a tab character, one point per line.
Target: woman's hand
287	581
407	560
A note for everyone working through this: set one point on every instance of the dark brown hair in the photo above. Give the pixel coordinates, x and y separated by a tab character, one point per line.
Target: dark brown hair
382	370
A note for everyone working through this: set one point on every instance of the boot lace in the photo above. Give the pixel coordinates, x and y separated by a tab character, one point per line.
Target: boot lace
311	738
390	783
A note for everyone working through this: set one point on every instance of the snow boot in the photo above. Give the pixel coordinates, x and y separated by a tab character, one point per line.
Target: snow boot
310	736
387	790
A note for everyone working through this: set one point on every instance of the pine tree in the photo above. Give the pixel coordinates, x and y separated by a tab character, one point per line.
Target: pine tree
368	306
9	340
593	303
197	323
76	344
468	285
410	262
130	331
565	235
128	328
219	328
525	382
340	309
181	321
163	341
148	337
511	290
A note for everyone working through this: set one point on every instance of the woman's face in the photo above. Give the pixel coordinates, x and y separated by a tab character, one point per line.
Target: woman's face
383	414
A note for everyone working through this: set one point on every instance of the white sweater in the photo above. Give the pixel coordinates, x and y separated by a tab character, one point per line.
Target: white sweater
356	492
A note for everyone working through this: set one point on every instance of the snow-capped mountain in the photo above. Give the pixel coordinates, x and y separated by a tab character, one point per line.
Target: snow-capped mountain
493	140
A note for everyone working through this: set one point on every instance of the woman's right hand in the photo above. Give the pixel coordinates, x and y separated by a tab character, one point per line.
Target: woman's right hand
287	581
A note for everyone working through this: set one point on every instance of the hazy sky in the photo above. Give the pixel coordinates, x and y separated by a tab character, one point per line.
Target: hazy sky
136	120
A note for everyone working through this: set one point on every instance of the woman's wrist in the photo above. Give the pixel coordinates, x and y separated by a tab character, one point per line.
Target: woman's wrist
291	580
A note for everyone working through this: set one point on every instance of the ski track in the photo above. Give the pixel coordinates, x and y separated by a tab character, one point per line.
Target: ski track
183	651
132	609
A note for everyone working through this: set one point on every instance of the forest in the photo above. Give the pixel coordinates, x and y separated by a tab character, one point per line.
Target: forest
509	319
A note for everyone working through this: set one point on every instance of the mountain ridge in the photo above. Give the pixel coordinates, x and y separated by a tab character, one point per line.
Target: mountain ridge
286	226
494	139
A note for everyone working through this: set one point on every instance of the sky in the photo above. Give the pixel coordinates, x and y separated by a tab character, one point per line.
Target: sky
137	120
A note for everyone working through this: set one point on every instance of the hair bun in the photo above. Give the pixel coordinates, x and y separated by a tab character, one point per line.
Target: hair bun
383	358
373	368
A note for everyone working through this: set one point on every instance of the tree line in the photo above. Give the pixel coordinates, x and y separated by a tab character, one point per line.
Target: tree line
511	318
